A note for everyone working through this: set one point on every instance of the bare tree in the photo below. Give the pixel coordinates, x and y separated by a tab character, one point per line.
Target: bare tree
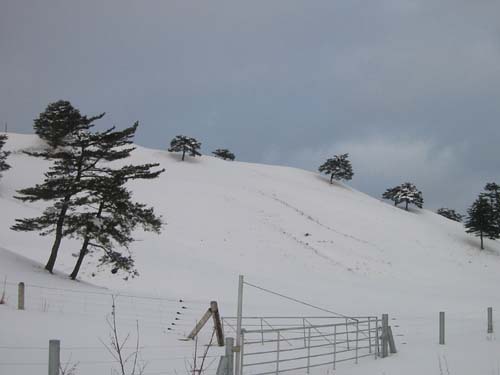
69	367
2	298
129	362
201	369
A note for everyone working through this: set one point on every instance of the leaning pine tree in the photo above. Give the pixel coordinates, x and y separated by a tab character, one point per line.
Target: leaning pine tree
3	155
481	219
224	153
77	165
339	168
450	213
111	216
185	145
72	159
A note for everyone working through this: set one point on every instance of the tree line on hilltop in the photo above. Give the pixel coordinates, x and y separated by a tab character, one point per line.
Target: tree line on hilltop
88	199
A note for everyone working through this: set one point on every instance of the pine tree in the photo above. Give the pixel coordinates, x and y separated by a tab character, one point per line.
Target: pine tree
405	193
185	144
339	168
72	159
450	213
3	155
75	163
391	194
112	217
481	219
493	193
59	121
224	153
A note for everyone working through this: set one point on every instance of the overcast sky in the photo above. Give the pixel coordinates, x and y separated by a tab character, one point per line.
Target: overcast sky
411	89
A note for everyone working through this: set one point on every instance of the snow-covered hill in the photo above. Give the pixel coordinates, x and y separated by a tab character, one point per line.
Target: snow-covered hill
285	229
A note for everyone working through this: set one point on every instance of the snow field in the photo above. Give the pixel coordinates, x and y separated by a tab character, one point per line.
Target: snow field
283	228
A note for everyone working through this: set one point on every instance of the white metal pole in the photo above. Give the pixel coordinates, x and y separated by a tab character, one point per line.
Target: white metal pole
237	362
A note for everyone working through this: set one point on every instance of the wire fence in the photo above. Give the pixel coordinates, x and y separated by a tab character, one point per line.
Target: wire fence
163	319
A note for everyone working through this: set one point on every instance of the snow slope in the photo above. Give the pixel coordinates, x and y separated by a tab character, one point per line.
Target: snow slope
283	228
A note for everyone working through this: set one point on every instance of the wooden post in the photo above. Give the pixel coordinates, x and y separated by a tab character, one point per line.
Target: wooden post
490	320
214	308
385	334
392	344
54	357
20	296
441	327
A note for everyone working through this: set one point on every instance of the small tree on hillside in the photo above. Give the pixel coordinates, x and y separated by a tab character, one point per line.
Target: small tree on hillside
339	168
481	219
450	213
493	193
391	194
185	144
224	153
405	193
59	120
3	155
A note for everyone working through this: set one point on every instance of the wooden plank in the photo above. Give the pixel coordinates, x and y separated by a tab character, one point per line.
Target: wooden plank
217	323
200	324
392	344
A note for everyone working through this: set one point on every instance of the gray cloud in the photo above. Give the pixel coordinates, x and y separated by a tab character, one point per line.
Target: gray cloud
271	78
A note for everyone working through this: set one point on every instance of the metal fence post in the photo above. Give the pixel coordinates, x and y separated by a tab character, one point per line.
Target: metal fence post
242	352
334	345
369	336
357	340
308	349
54	357
441	327
239	318
277	352
229	356
385	325
490	319
347	333
377	339
20	296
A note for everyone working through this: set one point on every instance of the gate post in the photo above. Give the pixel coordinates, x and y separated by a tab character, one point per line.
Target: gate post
229	356
385	335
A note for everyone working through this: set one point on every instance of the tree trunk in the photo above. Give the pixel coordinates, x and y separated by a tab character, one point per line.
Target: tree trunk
83	252
331	179
62	215
183	153
59	233
406	208
481	235
85	246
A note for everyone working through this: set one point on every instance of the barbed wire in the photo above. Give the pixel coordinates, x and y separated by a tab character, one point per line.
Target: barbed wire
296	300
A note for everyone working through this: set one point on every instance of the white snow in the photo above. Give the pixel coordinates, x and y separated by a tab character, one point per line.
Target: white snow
361	256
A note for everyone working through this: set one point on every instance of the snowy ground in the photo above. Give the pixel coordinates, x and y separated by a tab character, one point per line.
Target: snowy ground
283	228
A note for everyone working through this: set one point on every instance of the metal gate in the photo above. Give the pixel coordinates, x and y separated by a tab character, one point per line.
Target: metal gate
273	345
